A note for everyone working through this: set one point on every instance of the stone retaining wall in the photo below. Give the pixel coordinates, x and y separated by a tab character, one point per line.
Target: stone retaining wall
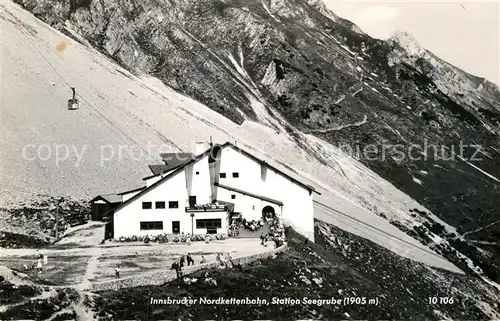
162	277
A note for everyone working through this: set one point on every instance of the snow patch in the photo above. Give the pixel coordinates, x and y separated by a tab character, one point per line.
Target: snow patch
237	66
479	169
348	50
416	180
269	11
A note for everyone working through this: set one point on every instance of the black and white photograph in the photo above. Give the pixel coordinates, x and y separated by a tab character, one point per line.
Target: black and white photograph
249	160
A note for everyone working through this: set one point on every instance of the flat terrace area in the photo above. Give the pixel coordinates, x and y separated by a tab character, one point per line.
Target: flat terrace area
87	263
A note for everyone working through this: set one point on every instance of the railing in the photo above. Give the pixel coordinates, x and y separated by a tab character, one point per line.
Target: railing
207	208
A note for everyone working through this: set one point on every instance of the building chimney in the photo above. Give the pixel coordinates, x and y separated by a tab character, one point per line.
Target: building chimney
199	148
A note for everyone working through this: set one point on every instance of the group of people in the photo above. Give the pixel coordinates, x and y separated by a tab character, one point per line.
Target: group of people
253	225
275	234
188	259
38	265
277	239
234	229
236	224
224	261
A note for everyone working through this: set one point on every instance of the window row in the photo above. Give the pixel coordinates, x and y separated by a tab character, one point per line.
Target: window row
223	175
209	223
155	225
200	224
159	205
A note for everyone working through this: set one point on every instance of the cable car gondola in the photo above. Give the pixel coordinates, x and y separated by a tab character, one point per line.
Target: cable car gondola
73	103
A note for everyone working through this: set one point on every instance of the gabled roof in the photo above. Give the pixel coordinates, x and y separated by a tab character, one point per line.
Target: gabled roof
108	198
194	159
237	190
132	190
158	169
172	161
252	156
165	169
169	158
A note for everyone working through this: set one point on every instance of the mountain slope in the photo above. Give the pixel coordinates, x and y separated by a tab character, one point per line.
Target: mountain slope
291	79
139	109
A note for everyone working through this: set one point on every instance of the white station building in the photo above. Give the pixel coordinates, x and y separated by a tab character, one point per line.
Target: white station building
198	194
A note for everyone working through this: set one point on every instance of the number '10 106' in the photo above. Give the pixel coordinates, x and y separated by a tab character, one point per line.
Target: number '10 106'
440	300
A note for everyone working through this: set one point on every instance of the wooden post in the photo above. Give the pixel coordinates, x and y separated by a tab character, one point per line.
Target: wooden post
192	223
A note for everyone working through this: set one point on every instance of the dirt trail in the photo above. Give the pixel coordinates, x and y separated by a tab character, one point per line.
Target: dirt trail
81	310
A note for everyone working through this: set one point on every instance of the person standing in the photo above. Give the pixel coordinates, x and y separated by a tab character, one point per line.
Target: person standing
39	266
177	268
229	261
189	260
222	261
117	272
203	259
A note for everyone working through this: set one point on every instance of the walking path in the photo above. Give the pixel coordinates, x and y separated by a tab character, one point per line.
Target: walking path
65	265
242	250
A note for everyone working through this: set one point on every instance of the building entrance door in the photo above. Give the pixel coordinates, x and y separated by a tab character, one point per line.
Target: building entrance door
176	227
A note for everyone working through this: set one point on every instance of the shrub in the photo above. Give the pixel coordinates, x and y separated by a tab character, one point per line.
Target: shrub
176	240
146	239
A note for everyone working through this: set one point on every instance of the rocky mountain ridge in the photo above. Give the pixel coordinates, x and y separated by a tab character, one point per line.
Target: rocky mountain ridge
472	91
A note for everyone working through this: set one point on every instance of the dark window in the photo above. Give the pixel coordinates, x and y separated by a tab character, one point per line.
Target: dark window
197	173
209	223
160	205
147	205
236	175
222	175
173	204
156	225
192	201
233	197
